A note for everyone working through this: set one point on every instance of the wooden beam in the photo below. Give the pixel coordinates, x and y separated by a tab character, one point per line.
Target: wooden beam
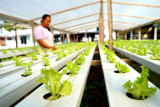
131	34
5	40
125	35
69	9
17	25
95	62
139	33
18	19
16	36
96	52
137	4
33	34
80	24
74	37
118	28
125	22
63	36
128	61
140	17
76	30
83	26
27	21
94	26
95	21
155	31
121	26
141	25
101	24
148	18
75	19
61	30
110	26
68	38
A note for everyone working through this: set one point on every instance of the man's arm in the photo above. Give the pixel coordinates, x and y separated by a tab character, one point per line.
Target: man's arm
41	42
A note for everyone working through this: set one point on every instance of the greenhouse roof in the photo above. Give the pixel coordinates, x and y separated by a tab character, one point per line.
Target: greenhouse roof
75	15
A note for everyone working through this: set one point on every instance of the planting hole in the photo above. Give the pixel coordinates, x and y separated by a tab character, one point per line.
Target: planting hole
24	75
47	95
131	96
116	71
70	73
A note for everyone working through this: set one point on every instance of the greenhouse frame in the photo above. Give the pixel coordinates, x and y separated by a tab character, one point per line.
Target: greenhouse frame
129	65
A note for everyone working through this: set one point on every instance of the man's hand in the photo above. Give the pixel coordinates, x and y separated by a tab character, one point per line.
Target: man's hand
53	48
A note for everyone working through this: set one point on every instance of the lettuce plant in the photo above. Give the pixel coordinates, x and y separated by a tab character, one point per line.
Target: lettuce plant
34	57
17	60
122	68
45	61
111	57
129	48
28	55
142	51
1	65
110	54
106	51
72	68
52	82
55	52
80	60
134	50
139	88
49	50
70	50
86	52
123	47
20	49
37	53
11	50
61	54
155	53
46	55
4	51
27	68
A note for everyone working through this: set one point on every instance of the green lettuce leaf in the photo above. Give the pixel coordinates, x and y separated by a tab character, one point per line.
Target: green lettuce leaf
122	68
66	88
52	82
72	68
139	88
